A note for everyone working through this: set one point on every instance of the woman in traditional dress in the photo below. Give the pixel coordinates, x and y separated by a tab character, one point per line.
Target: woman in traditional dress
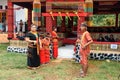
32	58
55	43
46	44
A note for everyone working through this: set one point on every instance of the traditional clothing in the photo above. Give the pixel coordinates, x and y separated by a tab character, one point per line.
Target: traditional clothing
33	58
41	50
46	43
84	52
55	44
77	53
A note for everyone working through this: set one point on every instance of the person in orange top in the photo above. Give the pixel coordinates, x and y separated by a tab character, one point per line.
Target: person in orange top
85	41
55	43
46	43
40	49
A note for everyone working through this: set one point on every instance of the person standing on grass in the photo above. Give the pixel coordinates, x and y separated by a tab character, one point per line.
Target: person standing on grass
33	61
55	42
46	43
85	41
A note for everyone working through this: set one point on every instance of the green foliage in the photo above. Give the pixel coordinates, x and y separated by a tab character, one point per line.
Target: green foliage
103	20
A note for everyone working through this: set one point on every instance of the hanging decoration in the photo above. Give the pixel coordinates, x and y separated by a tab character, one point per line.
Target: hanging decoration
51	13
68	15
60	15
76	13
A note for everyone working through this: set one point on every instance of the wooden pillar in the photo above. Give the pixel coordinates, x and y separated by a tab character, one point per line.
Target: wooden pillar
70	22
54	22
37	12
49	24
63	24
10	20
82	19
116	24
29	19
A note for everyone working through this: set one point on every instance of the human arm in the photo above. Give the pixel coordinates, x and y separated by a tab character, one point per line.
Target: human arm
88	40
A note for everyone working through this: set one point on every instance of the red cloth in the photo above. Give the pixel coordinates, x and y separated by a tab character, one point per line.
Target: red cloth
84	52
47	56
46	43
55	49
42	56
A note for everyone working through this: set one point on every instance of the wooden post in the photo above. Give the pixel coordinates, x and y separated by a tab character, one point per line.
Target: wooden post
54	22
37	12
63	24
29	19
116	24
10	20
49	24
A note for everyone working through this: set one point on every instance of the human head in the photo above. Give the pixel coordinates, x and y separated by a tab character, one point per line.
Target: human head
20	20
54	29
83	27
48	34
42	35
100	35
111	36
33	27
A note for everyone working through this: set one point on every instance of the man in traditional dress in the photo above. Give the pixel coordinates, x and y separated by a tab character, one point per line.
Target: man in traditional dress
85	41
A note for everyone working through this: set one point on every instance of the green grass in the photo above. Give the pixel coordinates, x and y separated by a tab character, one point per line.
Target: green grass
13	67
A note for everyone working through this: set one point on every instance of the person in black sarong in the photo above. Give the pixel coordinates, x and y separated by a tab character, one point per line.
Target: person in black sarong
33	60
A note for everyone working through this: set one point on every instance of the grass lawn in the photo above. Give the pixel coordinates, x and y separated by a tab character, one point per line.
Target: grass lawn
13	67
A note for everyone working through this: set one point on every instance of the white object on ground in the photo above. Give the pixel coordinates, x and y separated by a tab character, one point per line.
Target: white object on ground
66	51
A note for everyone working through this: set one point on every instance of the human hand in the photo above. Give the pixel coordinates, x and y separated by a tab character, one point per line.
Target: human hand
35	42
84	46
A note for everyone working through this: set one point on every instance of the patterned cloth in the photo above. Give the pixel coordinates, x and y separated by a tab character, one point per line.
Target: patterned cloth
51	51
37	12
77	54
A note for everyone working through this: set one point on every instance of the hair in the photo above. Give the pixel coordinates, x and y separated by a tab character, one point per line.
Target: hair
84	24
54	28
33	25
42	35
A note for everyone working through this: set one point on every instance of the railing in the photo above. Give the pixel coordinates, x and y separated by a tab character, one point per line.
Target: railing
105	46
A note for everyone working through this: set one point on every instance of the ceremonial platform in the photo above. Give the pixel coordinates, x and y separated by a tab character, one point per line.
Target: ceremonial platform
3	38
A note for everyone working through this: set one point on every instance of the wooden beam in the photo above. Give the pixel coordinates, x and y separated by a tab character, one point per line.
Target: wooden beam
28	5
64	14
105	0
20	0
24	0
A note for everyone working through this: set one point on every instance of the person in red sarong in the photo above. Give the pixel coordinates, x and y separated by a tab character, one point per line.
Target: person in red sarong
55	43
40	49
85	41
46	43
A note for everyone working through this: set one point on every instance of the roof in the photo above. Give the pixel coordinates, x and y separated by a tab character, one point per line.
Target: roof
111	6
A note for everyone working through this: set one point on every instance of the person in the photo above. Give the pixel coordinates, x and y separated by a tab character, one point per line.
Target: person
40	49
46	43
4	26
117	39
85	41
20	36
106	39
21	25
100	38
26	26
111	39
32	58
55	42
